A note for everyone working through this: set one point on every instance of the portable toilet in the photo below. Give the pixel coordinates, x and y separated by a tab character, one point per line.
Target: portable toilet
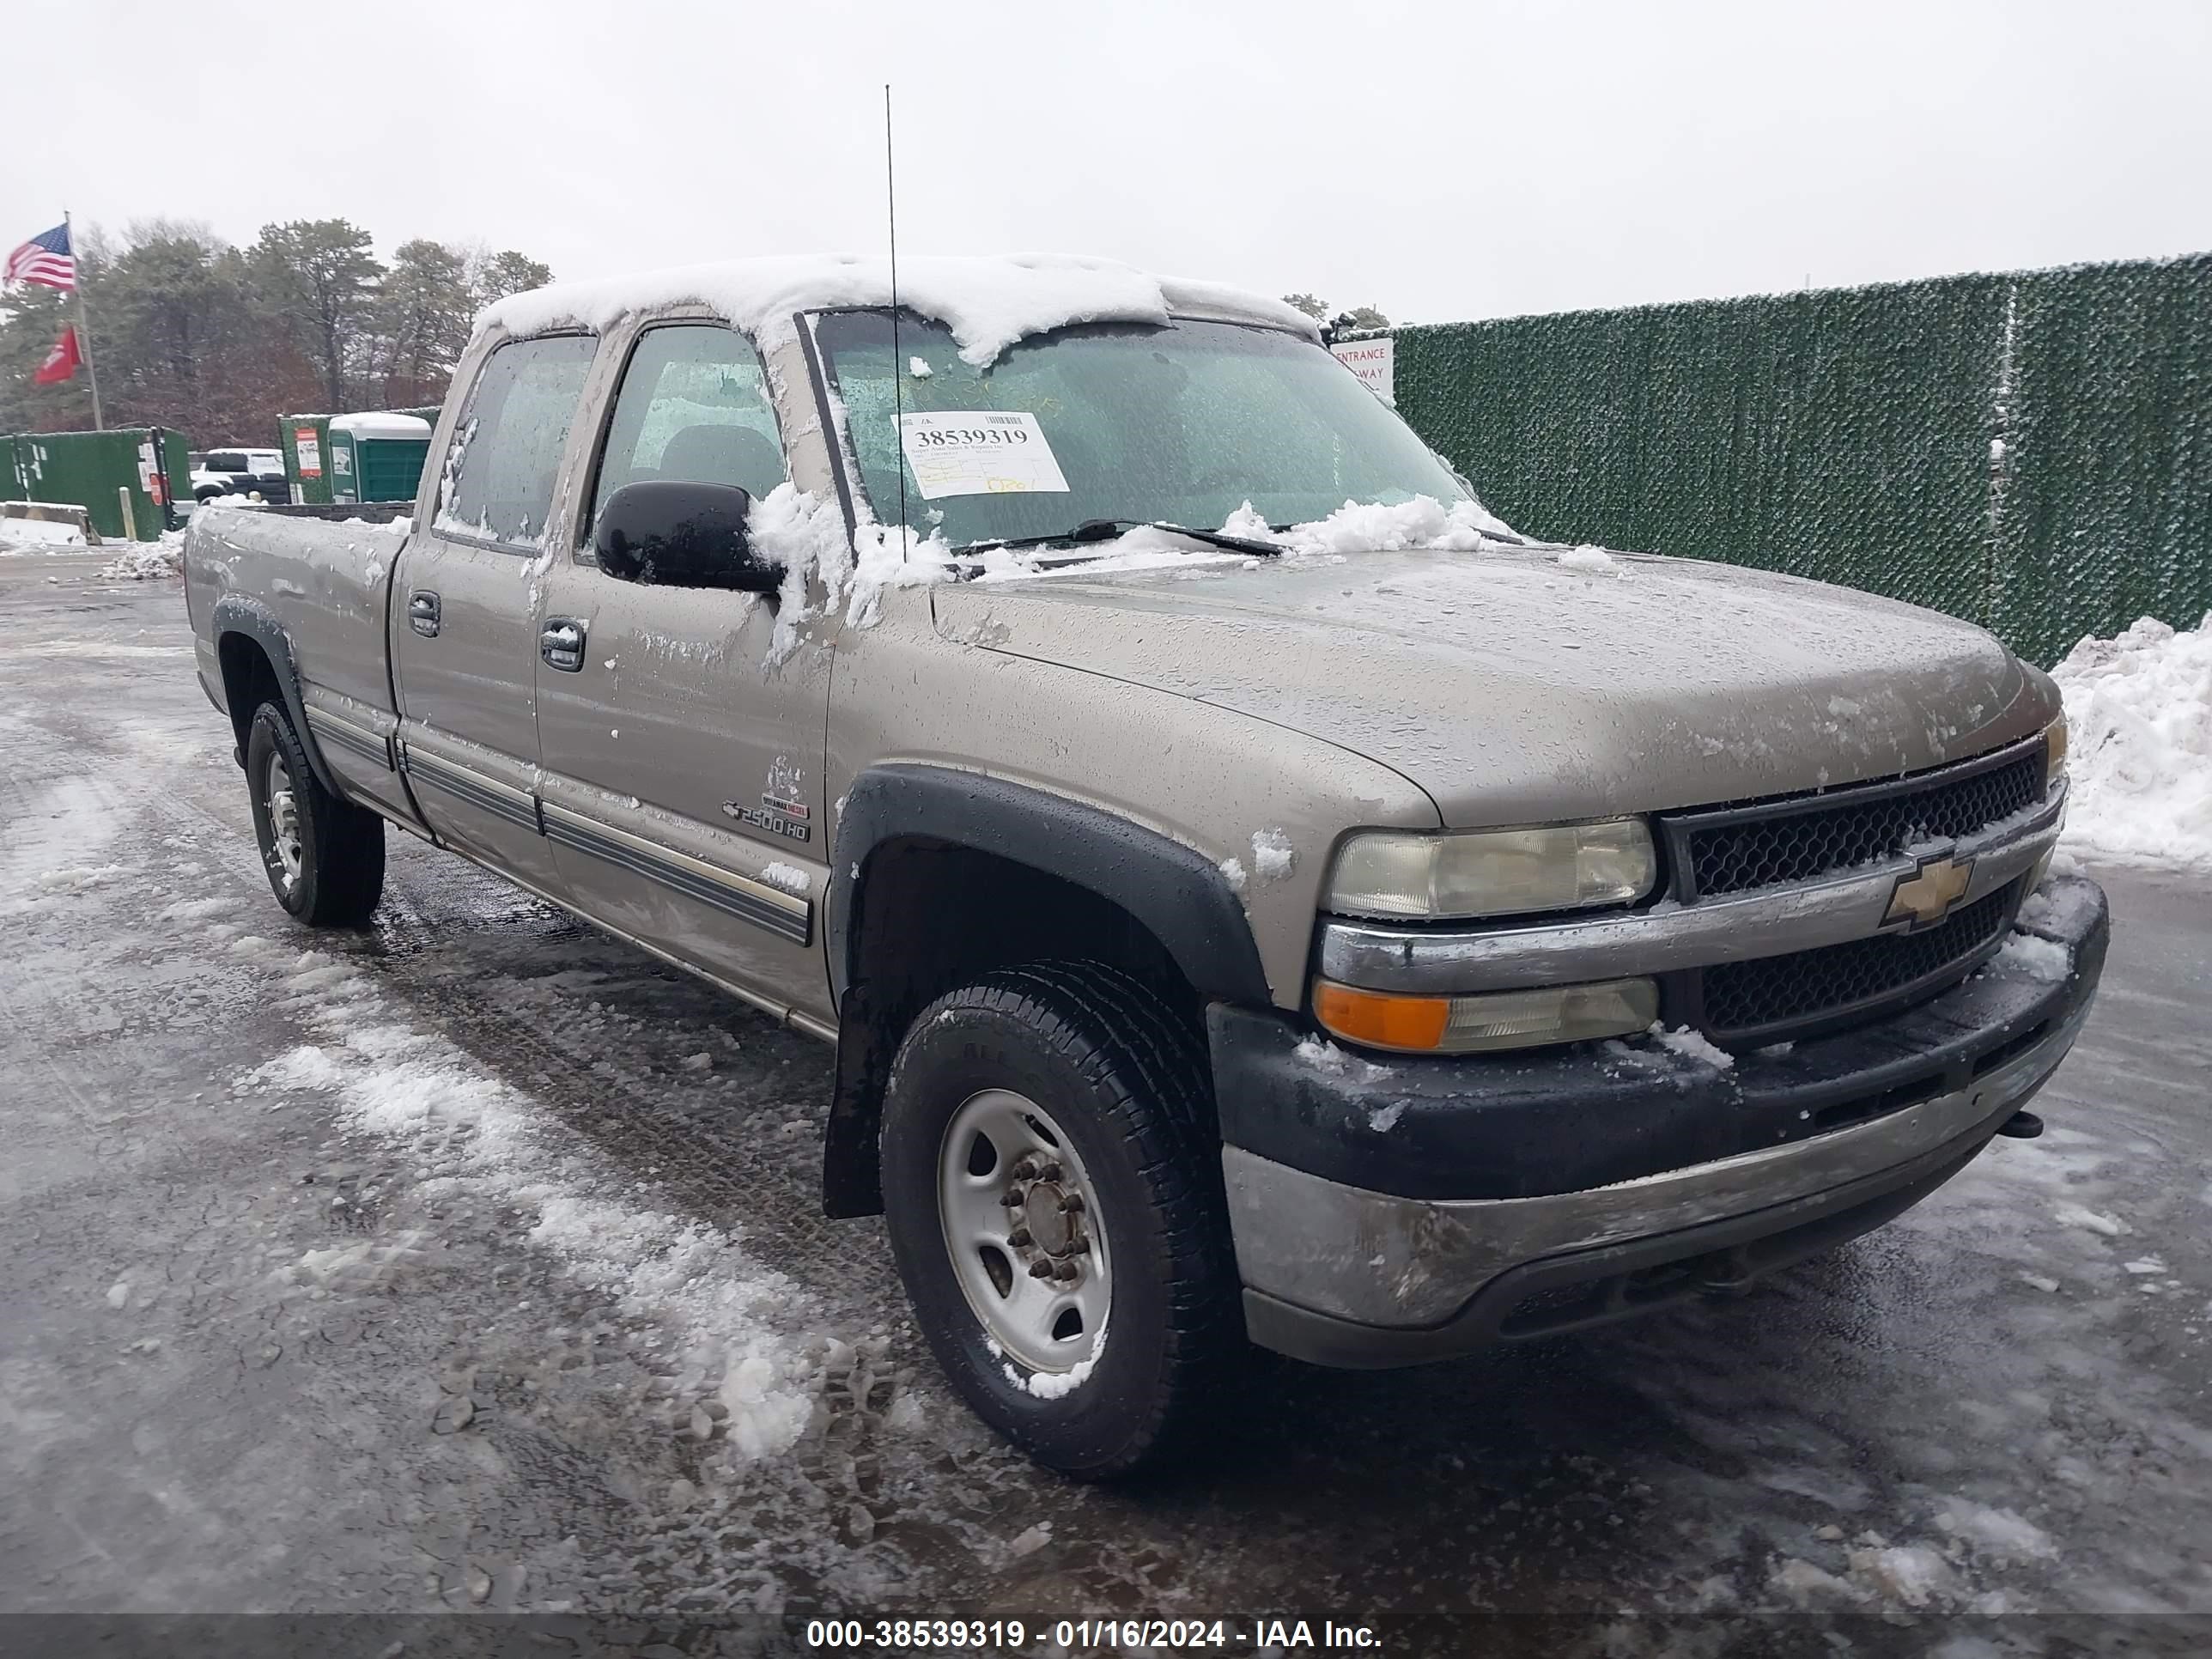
377	456
305	438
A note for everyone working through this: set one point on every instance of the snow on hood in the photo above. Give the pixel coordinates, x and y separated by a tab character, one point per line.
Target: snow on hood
988	303
2139	715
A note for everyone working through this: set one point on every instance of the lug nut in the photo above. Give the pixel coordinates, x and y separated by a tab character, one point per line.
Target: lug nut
1066	1272
1040	1269
1011	1201
1050	1172
1071	1204
1020	1239
1078	1247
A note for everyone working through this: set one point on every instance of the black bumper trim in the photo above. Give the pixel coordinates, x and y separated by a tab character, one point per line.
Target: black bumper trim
1571	1119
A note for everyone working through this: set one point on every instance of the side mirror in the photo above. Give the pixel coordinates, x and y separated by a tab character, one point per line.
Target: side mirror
671	534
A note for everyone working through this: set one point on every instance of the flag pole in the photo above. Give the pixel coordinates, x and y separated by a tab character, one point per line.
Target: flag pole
83	320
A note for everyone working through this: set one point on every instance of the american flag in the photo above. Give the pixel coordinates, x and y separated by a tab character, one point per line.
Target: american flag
45	258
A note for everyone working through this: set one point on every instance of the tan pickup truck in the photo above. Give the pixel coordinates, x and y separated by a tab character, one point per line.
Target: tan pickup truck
1254	895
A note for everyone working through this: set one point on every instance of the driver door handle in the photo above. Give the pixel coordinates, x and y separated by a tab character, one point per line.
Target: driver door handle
422	612
562	644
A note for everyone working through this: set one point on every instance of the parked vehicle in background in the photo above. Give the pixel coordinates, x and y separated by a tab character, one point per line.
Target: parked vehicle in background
1254	893
241	472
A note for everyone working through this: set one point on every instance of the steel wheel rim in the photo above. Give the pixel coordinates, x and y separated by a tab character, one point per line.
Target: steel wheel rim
283	806
1016	1209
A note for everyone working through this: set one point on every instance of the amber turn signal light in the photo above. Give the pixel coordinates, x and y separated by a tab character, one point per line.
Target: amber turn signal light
1380	1020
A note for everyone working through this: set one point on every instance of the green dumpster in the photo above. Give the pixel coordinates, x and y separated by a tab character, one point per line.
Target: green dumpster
123	479
376	456
307	442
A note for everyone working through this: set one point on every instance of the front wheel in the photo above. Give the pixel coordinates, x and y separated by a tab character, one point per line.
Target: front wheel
1053	1196
324	856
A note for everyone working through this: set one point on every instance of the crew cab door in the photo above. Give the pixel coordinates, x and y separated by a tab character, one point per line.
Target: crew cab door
466	602
681	781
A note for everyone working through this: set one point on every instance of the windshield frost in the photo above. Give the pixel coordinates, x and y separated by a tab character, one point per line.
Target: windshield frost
1183	424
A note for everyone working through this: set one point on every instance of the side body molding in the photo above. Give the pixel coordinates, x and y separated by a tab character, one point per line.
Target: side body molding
1173	890
240	613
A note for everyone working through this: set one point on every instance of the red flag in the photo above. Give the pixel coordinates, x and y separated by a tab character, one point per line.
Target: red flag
61	362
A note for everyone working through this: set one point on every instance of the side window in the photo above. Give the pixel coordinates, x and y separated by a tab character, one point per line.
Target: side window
499	475
694	407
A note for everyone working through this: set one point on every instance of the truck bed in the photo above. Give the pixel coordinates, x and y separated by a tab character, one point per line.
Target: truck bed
328	585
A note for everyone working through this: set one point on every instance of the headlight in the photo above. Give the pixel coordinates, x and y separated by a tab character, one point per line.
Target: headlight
1494	872
1492	1020
2054	750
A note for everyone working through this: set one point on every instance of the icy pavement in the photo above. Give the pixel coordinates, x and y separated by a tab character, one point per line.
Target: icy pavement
475	1263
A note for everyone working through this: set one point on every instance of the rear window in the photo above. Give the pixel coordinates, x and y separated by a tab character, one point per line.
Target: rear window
499	473
227	461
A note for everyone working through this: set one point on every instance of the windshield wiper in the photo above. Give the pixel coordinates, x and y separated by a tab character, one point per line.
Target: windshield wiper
1099	530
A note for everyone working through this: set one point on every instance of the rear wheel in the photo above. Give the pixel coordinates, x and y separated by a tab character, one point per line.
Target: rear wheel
324	856
1053	1195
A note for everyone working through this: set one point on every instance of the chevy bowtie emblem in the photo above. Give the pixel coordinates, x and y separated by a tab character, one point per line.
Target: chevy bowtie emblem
1925	896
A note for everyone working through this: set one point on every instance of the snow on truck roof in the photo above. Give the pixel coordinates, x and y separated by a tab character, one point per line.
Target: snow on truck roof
381	423
988	303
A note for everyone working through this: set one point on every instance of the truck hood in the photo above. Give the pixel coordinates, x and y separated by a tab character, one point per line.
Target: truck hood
1515	689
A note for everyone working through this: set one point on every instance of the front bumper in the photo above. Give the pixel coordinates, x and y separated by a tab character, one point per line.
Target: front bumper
1387	1216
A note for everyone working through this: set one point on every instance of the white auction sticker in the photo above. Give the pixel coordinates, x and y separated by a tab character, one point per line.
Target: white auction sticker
979	451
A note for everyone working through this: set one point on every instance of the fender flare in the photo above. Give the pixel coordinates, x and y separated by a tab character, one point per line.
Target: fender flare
239	613
1173	890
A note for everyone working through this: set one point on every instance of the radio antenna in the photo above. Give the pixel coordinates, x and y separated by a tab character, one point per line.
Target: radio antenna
898	369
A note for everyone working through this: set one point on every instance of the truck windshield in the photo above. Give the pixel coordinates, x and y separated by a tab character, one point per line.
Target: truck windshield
1183	424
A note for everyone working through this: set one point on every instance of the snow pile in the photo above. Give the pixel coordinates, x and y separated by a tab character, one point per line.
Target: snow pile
1372	528
1592	561
1272	855
145	561
1998	1534
1058	1385
1356	528
1692	1046
1330	1060
381	423
2035	959
19	536
988	303
2139	715
805	534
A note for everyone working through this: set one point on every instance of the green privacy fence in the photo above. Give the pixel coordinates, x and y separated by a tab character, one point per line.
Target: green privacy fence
2032	451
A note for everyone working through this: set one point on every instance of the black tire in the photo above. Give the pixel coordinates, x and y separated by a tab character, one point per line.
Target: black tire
1127	1084
340	846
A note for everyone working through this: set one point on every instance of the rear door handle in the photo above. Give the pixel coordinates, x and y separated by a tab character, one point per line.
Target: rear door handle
562	645
422	612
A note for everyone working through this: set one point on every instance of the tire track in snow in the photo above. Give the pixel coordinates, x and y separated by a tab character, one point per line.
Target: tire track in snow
746	1329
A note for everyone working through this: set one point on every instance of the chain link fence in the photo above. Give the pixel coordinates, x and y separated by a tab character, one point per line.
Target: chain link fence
2032	452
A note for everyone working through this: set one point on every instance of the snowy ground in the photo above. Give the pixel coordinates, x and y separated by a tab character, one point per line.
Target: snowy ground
475	1263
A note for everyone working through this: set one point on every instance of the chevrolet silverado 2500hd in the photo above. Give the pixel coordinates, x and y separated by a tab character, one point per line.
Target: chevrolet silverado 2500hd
1252	893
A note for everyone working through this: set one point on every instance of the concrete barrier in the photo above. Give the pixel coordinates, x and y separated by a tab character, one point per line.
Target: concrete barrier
53	513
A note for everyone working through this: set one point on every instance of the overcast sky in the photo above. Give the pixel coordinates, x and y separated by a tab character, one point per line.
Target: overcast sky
1460	158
